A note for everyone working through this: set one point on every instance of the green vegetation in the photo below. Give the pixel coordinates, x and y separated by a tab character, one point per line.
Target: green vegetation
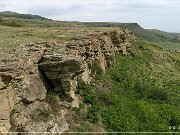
13	111
169	41
143	92
140	96
89	98
11	23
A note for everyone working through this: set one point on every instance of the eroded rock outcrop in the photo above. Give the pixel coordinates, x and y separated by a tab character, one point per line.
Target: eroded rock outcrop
23	91
61	70
41	67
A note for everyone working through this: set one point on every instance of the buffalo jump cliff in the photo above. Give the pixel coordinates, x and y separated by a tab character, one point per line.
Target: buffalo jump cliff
37	68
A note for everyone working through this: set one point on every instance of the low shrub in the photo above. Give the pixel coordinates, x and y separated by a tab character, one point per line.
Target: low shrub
93	114
144	90
10	23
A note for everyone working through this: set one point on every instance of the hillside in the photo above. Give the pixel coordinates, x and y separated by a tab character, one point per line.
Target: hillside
21	16
166	40
58	76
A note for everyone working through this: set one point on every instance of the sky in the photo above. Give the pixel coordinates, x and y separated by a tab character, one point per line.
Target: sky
151	14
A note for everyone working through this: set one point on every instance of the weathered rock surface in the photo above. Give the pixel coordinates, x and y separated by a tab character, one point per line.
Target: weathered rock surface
40	67
6	100
35	117
61	70
20	81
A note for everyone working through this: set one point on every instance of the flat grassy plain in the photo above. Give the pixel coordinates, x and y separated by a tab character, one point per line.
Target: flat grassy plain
12	37
14	32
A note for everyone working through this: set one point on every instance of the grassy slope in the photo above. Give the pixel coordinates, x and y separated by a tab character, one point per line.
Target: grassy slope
140	94
144	91
169	41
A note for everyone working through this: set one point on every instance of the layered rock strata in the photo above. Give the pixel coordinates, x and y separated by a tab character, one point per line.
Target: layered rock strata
36	68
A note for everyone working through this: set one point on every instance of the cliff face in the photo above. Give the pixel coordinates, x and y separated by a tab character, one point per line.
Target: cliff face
37	68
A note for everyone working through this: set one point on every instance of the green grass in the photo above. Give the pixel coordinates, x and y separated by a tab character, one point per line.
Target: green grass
87	92
16	31
142	95
11	23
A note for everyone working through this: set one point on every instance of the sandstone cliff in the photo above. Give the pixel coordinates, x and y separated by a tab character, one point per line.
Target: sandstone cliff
36	68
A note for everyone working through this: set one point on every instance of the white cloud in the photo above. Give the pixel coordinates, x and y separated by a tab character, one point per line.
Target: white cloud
161	14
10	5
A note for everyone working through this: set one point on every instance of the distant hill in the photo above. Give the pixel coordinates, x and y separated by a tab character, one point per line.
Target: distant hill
22	16
152	35
165	39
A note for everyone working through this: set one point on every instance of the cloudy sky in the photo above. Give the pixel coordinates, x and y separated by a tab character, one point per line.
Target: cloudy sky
157	14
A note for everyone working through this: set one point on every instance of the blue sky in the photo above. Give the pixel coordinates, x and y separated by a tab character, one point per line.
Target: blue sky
154	14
